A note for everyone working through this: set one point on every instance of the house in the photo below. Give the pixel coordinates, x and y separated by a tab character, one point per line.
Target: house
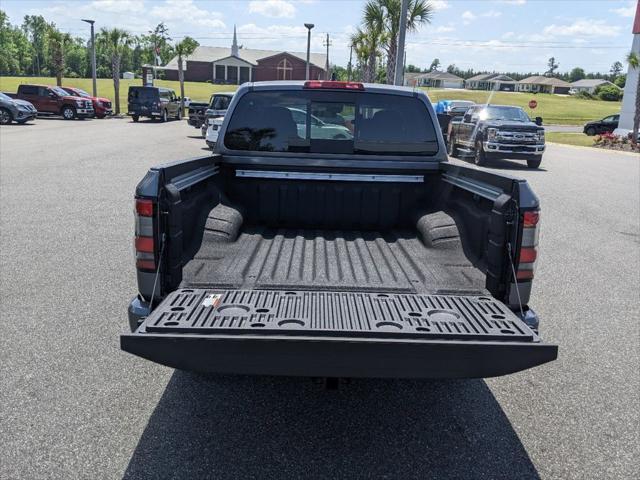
238	65
542	84
434	79
491	81
128	75
589	85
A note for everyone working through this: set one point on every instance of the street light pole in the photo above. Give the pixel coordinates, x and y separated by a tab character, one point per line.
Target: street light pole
399	73
93	57
309	27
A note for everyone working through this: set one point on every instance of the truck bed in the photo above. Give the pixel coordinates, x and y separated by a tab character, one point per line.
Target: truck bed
395	261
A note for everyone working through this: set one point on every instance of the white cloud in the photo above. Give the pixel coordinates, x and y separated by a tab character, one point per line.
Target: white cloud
628	11
187	10
273	8
468	17
491	14
508	35
582	27
445	28
439	5
118	6
512	2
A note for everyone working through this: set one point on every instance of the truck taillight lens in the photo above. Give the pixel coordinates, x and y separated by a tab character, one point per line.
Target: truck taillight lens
528	246
144	239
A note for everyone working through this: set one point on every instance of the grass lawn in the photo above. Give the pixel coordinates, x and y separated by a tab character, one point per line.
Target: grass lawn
554	109
198	91
579	139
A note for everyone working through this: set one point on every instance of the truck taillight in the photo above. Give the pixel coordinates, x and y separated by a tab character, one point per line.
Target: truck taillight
528	246
144	239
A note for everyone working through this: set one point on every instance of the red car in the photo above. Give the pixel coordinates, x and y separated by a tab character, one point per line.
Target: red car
102	106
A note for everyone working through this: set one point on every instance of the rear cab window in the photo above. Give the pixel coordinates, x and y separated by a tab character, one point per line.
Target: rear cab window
331	122
143	94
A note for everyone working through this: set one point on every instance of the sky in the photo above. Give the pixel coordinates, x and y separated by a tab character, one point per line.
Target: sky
491	35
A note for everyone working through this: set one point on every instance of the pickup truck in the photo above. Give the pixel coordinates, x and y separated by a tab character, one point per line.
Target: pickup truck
497	131
101	105
200	112
286	253
54	100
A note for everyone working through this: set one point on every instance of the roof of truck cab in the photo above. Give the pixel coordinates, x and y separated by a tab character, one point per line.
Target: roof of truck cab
299	84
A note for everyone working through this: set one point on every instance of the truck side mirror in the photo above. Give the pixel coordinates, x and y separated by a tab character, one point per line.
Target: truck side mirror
466	118
539	121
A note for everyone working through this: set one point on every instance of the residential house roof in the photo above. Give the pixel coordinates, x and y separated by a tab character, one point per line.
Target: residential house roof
440	76
542	80
591	83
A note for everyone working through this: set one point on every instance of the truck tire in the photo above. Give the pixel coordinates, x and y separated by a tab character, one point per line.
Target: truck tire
5	116
452	148
591	131
479	157
535	163
164	116
68	112
135	118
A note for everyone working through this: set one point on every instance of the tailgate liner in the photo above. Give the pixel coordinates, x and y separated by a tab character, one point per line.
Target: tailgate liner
336	314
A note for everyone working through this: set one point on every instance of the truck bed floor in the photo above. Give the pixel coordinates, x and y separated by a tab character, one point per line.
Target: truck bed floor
332	260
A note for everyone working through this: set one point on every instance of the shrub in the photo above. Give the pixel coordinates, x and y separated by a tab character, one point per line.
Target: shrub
610	93
583	94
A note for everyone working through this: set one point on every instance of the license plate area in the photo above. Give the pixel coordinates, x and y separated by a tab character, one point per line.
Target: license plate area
336	314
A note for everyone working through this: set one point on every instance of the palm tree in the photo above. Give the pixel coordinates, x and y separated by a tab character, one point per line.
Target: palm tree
57	43
366	45
183	49
634	62
384	15
115	41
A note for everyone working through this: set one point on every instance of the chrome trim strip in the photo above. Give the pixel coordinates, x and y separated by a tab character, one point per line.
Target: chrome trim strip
479	188
342	177
191	178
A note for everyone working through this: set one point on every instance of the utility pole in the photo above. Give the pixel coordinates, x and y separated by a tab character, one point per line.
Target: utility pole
350	58
327	43
309	27
93	57
399	74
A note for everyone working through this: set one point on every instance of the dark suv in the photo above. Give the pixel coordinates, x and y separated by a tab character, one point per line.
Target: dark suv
153	102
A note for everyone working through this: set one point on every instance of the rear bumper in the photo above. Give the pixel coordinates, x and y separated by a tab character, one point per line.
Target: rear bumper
187	333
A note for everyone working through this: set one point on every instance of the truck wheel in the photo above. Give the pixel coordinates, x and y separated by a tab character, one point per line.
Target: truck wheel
5	116
591	131
135	118
534	163
163	118
452	148
480	158
68	113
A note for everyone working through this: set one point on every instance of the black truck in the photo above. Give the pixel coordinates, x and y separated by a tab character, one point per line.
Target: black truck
369	255
488	132
217	107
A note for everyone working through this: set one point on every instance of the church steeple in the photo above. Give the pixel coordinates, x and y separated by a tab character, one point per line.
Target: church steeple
234	45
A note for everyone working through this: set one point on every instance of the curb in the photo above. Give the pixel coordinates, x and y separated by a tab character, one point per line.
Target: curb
580	147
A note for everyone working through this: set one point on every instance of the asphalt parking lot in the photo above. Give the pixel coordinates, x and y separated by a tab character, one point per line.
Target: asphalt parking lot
72	405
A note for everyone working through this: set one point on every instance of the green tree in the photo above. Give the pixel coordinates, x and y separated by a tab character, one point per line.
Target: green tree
366	45
616	69
435	65
56	44
36	28
633	59
15	51
608	93
576	74
183	49
553	66
384	16
412	69
114	42
621	80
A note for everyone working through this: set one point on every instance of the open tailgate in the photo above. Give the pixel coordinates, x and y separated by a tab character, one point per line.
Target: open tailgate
337	334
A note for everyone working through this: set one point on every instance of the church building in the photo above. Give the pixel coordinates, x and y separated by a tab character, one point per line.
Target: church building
238	65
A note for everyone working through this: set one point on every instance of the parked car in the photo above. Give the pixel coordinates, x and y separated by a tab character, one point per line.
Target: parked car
15	110
186	101
319	128
497	131
217	107
101	105
53	100
606	125
367	256
153	102
453	107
